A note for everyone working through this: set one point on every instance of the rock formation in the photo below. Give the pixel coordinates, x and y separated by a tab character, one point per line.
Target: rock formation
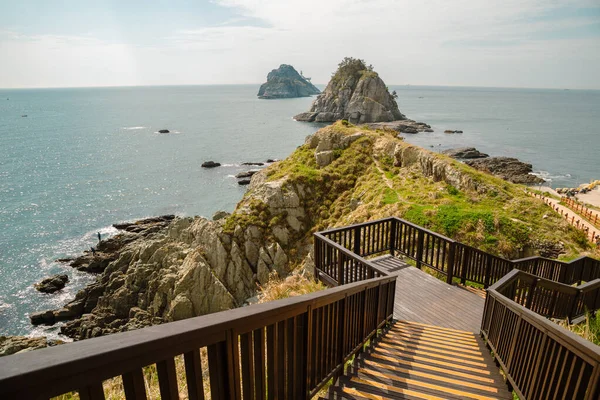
465	153
355	93
20	344
169	268
286	82
210	164
507	168
52	284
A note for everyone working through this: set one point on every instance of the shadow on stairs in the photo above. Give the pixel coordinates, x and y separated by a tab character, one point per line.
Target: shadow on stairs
418	361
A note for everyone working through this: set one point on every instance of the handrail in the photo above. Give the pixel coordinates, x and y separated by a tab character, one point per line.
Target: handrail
339	265
288	347
451	258
539	358
548	298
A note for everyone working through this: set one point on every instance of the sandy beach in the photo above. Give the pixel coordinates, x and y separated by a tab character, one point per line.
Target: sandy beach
592	197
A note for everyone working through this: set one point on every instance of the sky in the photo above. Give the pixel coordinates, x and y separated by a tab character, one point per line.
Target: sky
494	43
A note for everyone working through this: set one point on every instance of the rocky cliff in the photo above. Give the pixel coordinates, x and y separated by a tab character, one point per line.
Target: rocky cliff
286	82
174	268
355	93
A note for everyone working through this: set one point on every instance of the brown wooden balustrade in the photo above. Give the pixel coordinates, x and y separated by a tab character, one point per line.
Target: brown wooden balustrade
540	359
339	255
552	299
282	349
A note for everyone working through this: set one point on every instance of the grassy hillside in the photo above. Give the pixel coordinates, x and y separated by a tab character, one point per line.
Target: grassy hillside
366	181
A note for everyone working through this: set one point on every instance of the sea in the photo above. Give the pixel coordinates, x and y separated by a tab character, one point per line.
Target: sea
75	161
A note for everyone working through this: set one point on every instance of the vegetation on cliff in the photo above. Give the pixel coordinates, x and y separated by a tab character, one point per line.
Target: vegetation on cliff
378	175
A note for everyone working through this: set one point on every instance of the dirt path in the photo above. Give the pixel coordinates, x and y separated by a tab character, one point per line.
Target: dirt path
572	217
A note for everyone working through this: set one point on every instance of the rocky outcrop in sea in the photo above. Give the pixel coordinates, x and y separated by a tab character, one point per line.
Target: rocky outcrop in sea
285	82
465	153
507	168
355	93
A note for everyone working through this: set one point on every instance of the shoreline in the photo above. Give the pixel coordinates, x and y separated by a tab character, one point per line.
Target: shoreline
592	197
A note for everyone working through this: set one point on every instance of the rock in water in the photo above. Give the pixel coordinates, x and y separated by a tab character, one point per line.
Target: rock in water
465	153
507	168
52	284
355	93
286	82
210	164
164	131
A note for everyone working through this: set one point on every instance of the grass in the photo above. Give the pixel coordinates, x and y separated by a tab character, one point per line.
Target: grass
589	329
295	284
497	216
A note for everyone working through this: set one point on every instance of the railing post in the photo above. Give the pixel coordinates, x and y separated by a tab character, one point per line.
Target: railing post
343	323
536	263
488	271
531	292
317	255
420	241
357	241
341	279
451	256
466	258
571	315
393	236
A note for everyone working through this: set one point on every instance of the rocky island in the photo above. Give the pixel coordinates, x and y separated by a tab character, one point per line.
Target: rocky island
285	82
355	93
169	268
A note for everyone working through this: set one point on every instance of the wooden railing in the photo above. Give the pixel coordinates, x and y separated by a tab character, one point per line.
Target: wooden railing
282	349
551	299
540	359
592	216
340	252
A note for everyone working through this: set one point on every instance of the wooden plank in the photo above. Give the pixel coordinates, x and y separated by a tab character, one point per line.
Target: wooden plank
134	386
193	375
167	379
92	392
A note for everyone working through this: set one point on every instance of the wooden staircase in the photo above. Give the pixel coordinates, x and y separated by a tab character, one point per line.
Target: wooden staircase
418	361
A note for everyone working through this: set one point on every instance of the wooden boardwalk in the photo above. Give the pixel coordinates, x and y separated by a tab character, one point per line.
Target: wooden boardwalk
416	361
423	298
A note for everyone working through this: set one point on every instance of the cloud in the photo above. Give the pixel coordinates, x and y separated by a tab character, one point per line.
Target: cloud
64	61
462	42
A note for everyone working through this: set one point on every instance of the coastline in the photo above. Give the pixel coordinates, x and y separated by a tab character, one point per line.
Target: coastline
592	197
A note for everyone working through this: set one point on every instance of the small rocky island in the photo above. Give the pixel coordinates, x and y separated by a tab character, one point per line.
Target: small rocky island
284	83
507	168
355	93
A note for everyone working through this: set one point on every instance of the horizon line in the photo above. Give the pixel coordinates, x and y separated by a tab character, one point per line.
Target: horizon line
258	84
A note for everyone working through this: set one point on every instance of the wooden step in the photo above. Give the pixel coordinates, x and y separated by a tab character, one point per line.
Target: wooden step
418	361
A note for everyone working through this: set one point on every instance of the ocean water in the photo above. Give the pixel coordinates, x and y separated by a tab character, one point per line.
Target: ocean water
84	159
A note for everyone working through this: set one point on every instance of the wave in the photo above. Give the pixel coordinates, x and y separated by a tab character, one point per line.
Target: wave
548	177
133	128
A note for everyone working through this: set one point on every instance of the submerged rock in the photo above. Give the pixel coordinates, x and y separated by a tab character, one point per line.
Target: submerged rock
507	168
163	131
465	153
52	284
210	164
258	164
355	93
246	174
450	131
286	82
